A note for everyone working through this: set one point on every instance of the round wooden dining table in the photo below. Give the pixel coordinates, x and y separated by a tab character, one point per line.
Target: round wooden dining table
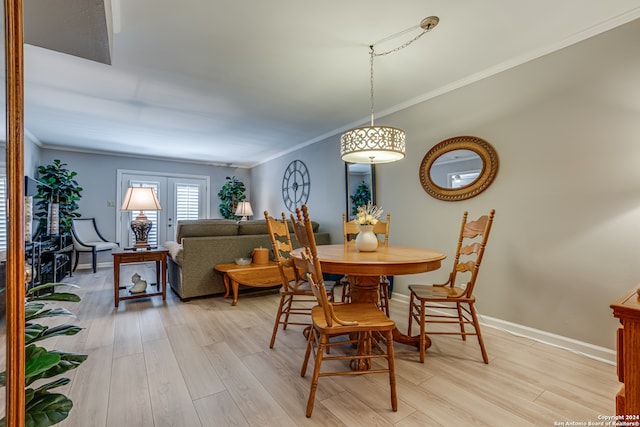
365	268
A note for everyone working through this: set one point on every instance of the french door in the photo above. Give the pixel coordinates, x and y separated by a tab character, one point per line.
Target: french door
181	197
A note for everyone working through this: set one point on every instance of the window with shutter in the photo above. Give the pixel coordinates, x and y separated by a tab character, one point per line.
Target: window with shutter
187	201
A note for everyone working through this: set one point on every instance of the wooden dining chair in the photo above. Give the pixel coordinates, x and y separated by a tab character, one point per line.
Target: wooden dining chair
296	296
350	230
334	324
453	302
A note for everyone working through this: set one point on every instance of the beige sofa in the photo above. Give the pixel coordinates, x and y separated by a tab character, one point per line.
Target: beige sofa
201	244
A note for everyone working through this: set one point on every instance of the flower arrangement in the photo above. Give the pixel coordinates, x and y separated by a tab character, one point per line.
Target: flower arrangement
368	214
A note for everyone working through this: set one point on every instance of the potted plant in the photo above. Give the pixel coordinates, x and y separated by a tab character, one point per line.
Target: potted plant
43	408
231	193
361	197
61	188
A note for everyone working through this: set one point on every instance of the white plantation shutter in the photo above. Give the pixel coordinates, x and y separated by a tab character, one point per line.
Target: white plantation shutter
187	201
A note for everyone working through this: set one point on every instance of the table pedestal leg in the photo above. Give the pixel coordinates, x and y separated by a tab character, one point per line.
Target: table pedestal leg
365	289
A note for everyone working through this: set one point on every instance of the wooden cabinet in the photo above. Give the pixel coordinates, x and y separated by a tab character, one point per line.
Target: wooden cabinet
627	309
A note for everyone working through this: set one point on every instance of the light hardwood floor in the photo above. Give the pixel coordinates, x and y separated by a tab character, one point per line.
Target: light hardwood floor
206	363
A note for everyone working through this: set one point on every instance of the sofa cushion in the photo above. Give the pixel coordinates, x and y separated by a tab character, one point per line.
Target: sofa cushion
255	226
205	228
259	226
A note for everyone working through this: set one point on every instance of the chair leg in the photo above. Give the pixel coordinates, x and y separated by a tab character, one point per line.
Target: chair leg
392	370
93	263
411	308
310	344
423	336
461	320
287	311
476	325
383	296
316	374
277	322
346	291
77	258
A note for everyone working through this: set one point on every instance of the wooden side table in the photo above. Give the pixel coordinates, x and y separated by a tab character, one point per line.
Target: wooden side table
159	255
627	309
255	275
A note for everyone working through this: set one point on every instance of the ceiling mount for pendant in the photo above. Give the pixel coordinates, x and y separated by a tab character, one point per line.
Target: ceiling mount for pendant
429	23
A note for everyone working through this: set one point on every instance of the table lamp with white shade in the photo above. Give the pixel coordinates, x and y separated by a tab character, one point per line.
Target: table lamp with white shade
141	199
244	210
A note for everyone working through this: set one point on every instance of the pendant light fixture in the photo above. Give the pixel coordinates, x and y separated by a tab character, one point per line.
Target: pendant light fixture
379	144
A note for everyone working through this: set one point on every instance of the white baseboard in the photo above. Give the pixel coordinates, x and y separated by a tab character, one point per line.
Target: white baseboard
601	354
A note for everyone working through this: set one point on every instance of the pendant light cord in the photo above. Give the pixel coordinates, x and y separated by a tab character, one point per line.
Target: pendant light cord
373	54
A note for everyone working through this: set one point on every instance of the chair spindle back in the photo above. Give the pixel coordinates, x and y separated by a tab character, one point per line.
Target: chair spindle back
470	251
282	247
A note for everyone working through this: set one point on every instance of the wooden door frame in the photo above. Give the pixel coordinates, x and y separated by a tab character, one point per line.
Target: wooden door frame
14	57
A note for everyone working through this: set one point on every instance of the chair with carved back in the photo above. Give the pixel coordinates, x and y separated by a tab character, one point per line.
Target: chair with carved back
296	297
350	230
360	325
453	302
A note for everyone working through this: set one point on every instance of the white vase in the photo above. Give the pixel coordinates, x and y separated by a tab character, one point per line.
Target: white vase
366	240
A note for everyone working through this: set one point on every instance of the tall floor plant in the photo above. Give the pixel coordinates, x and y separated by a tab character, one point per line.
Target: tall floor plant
44	408
61	187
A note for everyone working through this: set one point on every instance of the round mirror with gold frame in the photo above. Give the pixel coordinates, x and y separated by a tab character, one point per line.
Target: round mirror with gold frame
458	168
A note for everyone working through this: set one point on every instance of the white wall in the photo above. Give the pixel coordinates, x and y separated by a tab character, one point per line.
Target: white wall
565	243
31	157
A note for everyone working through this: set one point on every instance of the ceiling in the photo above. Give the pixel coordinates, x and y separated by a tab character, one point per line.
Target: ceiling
239	83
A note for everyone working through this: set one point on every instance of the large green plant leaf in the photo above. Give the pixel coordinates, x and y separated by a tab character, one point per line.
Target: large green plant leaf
57	296
58	311
32	331
38	361
53	384
53	296
66	362
36	332
46	409
32	308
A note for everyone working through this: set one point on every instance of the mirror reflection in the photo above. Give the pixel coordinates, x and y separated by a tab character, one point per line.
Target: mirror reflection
456	169
3	230
360	186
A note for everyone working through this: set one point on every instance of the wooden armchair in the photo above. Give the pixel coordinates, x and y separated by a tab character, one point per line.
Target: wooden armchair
362	325
453	302
296	297
350	230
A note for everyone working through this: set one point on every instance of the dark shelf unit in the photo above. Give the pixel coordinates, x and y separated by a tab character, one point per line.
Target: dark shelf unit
50	259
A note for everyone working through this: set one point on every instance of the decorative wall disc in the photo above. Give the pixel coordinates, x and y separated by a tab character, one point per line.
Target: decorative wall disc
296	185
